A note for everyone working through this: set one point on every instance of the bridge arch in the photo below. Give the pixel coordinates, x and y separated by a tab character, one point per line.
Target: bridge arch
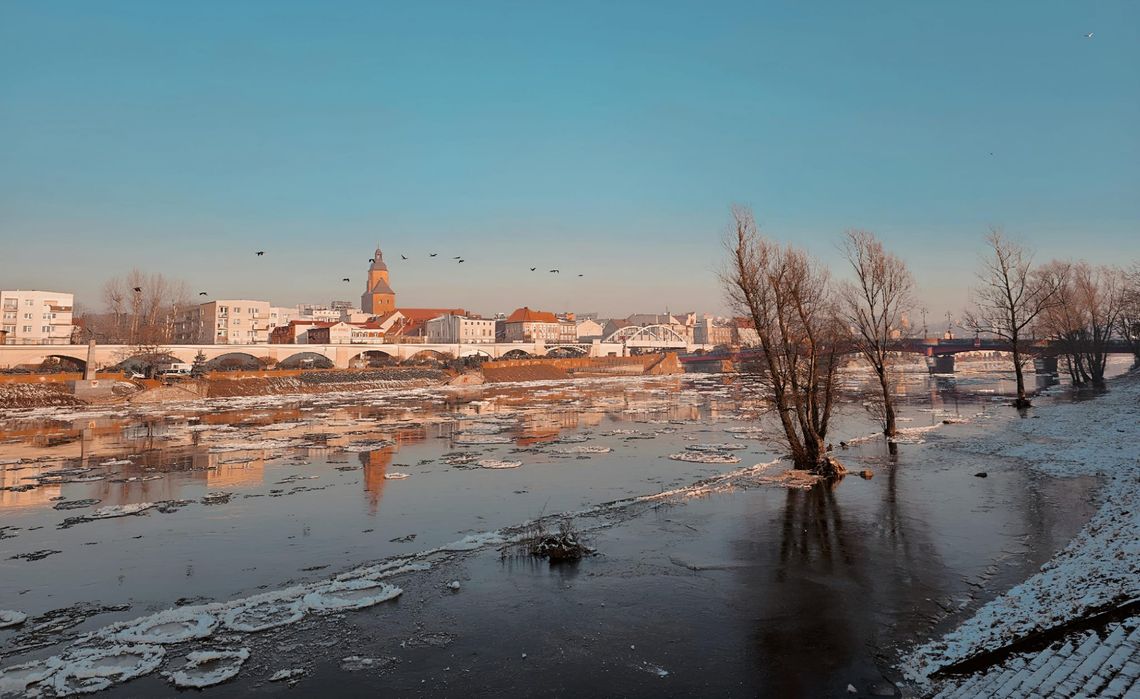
648	334
565	351
306	360
373	358
516	354
426	356
236	361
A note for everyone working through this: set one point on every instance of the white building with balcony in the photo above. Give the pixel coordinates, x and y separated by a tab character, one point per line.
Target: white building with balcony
30	317
224	322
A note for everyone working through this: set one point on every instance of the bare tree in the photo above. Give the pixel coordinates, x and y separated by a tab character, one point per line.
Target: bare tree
788	297
1085	317
874	305
1128	324
1010	298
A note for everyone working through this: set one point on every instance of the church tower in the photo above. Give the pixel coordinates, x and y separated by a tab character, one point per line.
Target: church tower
378	298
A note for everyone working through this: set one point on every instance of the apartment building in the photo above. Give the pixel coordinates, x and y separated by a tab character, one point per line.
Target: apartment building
459	329
526	325
29	317
224	322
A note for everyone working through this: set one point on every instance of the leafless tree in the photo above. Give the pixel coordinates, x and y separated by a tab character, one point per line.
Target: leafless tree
1128	325
141	309
874	305
1009	299
788	297
1085	317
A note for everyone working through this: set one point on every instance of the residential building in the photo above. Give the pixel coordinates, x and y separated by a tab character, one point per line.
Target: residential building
713	331
589	330
223	322
30	317
460	329
412	322
744	332
378	297
526	325
280	315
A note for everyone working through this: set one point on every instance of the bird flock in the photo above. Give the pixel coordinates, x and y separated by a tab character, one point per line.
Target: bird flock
458	259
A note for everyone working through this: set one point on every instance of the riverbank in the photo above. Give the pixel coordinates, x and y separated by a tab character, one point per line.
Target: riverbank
1097	572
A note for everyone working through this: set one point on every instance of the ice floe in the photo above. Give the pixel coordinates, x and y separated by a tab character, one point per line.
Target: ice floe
265	612
350	594
582	449
497	463
169	626
395	476
205	668
716	448
9	618
702	457
467	439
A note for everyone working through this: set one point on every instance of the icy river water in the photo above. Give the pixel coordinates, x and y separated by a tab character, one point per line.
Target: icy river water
744	586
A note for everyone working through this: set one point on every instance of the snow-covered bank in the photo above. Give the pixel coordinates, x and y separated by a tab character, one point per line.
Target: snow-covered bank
1101	565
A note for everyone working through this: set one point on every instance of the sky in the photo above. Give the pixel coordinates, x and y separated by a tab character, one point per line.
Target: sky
608	139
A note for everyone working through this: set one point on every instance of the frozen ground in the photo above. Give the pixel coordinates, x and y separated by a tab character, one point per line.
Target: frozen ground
1099	568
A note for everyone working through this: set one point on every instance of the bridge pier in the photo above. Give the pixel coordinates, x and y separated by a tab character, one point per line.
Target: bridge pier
1045	365
940	364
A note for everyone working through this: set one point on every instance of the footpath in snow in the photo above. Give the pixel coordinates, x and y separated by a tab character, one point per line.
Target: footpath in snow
1099	569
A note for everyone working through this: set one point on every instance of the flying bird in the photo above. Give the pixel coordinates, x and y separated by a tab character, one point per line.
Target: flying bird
138	289
1089	35
202	293
533	268
555	271
433	254
461	262
458	257
581	275
371	259
260	253
402	257
345	279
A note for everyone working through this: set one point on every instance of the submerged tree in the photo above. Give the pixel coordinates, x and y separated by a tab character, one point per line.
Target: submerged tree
788	297
874	305
1010	298
1085	317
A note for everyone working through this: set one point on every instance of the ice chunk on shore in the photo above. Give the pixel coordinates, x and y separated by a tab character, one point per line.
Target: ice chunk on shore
287	674
350	594
700	457
94	669
266	613
119	510
9	617
170	626
206	668
496	463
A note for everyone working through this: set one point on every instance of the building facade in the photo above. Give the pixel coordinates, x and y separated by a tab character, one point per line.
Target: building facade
526	325
450	328
224	322
29	317
378	298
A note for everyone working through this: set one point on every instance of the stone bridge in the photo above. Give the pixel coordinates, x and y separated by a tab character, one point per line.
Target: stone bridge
342	355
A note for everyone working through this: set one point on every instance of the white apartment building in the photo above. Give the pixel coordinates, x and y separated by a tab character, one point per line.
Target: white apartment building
280	315
224	322
450	328
36	317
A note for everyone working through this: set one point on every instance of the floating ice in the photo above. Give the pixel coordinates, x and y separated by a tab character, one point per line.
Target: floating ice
288	674
119	510
94	669
582	449
715	448
350	594
264	612
496	463
11	618
170	626
19	678
206	668
395	476
481	439
700	457
117	462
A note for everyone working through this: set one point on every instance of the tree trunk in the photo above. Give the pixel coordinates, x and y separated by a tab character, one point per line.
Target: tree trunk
1022	401
890	428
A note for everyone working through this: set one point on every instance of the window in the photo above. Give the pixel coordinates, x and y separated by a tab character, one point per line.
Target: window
28	302
27	316
27	328
46	329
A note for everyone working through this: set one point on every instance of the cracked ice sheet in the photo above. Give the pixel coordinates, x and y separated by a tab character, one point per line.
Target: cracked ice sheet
1101	564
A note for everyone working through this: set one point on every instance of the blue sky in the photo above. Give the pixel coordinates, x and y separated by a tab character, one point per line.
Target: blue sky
608	139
